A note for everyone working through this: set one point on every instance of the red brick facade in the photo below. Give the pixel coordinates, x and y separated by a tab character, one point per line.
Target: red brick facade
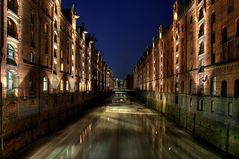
194	64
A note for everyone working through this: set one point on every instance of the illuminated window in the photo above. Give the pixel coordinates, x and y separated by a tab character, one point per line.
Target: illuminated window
10	84
67	86
32	57
10	77
10	52
62	67
213	85
61	86
46	27
45	84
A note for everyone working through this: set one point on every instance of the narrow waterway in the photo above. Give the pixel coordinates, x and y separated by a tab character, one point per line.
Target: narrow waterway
121	129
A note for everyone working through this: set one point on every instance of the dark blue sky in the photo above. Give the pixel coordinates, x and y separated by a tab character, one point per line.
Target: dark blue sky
123	28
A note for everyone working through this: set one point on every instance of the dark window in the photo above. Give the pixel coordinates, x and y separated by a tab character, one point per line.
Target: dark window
191	20
213	18
190	87
32	17
201	49
237	31
182	86
12	28
230	6
201	31
31	85
224	89
213	38
236	88
13	6
224	35
212	1
201	14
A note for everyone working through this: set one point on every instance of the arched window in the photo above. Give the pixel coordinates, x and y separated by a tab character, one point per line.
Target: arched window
12	28
13	6
224	89
10	52
236	88
45	84
213	86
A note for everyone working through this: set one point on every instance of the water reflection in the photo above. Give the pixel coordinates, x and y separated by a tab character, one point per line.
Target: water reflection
125	130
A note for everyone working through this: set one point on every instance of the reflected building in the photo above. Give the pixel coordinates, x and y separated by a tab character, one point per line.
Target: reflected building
190	72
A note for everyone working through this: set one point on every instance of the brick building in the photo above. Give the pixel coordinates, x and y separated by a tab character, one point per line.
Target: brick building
46	70
191	72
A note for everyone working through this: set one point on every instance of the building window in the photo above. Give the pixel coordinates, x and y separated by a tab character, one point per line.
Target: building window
61	86
201	16
182	86
191	19
67	86
46	28
224	89
212	2
236	88
12	28
10	77
224	35
201	49
190	87
32	54
31	85
10	52
213	18
213	38
32	17
62	67
212	106
201	30
237	29
13	6
230	109
213	85
45	85
230	6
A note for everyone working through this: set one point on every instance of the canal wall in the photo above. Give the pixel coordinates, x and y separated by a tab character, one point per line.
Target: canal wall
206	117
32	120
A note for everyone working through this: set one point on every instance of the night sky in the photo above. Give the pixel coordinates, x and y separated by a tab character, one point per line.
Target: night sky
123	28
